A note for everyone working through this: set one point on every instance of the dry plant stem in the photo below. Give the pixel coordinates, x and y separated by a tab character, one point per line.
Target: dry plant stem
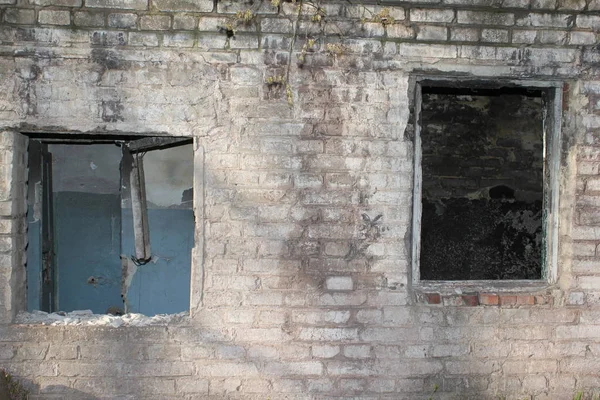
293	41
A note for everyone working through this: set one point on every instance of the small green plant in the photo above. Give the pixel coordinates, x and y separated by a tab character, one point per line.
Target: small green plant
281	81
318	15
435	389
277	3
289	94
383	17
336	49
16	391
308	45
244	17
583	396
275	80
241	18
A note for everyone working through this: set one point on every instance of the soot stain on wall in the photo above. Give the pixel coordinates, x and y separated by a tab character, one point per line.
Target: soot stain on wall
482	185
112	111
26	89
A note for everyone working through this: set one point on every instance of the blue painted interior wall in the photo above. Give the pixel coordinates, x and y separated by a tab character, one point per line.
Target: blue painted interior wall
87	243
163	285
94	227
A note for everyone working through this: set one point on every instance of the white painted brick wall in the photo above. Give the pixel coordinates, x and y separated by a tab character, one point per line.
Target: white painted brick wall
297	302
339	283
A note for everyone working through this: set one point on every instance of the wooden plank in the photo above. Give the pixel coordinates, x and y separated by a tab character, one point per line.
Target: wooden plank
49	300
155	143
417	191
139	209
198	274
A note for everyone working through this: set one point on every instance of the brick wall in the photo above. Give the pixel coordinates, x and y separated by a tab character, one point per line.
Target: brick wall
306	292
13	228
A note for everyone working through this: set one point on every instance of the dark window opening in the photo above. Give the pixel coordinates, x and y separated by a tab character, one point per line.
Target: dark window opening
482	193
88	248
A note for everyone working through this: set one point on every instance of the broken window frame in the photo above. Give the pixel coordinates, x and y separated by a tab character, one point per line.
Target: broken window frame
552	112
41	199
134	145
137	182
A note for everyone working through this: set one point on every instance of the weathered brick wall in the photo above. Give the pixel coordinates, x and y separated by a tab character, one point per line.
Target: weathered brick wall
13	238
306	293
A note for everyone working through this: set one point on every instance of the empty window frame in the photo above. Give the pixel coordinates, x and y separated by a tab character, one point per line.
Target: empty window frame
102	234
486	181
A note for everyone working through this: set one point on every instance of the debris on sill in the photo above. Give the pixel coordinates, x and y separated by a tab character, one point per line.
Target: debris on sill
87	318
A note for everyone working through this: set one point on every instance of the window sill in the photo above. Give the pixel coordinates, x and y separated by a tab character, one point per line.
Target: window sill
85	318
517	293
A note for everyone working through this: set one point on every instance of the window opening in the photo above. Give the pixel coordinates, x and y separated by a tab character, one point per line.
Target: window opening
483	182
83	252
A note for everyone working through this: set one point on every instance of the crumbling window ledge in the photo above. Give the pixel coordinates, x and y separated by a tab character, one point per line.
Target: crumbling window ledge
87	318
478	293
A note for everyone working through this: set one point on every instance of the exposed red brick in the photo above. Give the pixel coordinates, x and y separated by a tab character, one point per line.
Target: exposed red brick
470	300
543	299
507	300
489	299
526	300
433	298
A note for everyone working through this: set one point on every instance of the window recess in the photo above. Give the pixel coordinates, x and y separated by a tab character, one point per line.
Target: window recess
486	183
110	218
